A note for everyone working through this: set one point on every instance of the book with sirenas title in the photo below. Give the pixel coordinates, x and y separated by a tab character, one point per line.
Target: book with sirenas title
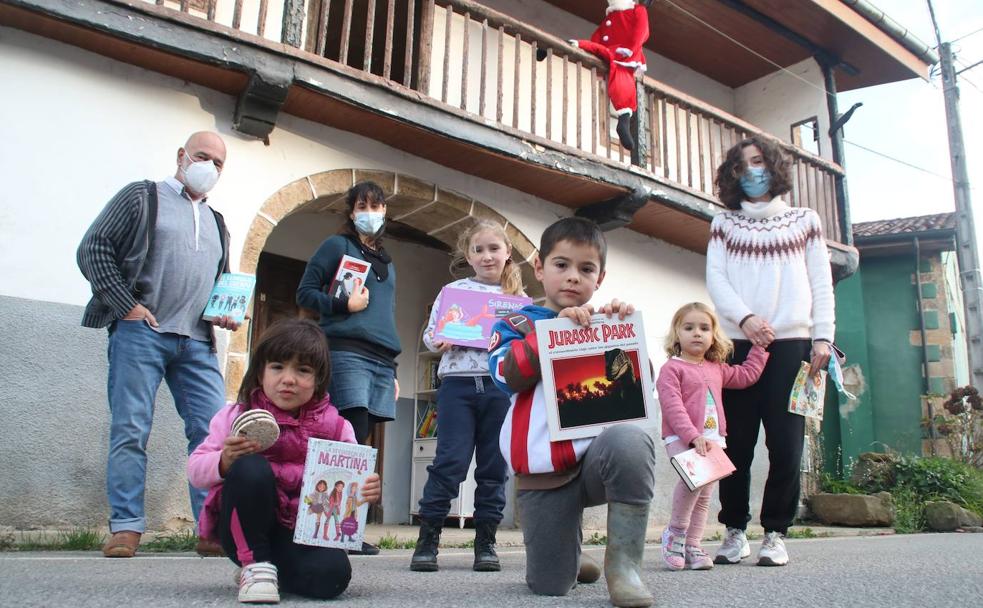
466	317
349	270
230	297
332	511
595	377
697	471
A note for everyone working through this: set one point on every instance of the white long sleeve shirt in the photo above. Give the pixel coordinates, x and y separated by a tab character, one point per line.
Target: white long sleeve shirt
771	260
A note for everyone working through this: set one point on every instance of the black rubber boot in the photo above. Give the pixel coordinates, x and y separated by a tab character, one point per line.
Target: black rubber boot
485	558
624	131
425	555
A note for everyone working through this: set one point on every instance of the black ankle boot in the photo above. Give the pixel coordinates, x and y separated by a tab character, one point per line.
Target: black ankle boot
624	131
485	558
425	555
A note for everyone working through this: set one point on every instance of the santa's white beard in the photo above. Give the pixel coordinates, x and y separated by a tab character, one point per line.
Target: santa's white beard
620	5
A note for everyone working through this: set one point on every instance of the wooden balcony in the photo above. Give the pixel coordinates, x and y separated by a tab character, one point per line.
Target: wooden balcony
448	80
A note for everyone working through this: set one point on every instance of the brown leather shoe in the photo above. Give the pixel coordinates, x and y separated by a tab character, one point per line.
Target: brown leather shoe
122	544
209	548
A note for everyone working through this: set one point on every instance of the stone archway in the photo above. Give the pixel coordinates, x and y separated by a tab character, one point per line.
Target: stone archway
441	214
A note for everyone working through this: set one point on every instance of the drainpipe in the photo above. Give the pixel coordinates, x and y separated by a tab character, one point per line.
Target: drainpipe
839	156
893	29
921	328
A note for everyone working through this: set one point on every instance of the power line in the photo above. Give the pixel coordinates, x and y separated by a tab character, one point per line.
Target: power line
748	49
814	86
898	160
977	31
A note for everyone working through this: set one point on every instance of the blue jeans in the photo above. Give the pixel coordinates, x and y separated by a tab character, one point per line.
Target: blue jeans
470	412
139	358
358	381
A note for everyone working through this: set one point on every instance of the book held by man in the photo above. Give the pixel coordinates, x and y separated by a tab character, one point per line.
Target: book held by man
595	377
466	317
697	471
332	511
808	393
230	297
349	270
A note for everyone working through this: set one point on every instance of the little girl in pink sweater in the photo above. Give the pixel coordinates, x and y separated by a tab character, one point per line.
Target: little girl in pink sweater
690	386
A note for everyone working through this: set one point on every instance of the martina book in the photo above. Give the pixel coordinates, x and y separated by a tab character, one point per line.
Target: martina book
466	317
230	297
332	511
595	377
697	471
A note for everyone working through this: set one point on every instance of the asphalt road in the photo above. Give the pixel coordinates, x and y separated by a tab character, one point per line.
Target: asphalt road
930	570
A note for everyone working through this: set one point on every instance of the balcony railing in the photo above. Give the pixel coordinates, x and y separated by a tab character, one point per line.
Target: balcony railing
518	78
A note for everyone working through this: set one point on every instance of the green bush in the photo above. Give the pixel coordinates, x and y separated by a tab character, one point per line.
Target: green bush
829	483
917	480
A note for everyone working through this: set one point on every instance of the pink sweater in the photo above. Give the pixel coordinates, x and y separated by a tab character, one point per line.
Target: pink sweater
683	390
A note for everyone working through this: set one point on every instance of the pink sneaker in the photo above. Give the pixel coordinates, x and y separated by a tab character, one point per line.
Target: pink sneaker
697	558
672	550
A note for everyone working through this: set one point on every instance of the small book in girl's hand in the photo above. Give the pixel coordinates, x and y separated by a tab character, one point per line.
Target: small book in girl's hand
697	471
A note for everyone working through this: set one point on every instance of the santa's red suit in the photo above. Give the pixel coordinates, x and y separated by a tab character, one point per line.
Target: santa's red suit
618	41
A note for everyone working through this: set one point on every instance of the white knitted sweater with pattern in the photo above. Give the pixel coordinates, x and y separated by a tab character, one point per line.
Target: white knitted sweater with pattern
771	260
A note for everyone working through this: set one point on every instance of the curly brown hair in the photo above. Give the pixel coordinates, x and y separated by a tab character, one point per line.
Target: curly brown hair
728	181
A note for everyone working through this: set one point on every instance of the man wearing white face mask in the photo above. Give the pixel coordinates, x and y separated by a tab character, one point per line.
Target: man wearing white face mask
152	257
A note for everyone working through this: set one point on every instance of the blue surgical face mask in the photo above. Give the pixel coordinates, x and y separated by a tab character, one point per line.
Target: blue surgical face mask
369	223
756	182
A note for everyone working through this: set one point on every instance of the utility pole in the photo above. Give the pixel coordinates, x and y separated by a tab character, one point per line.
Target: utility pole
966	253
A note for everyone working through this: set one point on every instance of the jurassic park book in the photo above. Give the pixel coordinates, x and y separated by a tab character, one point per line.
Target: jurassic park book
595	377
332	511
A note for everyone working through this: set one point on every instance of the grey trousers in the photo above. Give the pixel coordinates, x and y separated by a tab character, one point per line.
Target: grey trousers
619	466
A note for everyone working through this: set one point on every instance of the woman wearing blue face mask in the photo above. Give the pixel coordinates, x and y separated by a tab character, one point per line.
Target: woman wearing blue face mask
360	325
769	276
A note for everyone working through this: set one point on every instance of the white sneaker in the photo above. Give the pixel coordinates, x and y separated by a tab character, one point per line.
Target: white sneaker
258	584
772	552
734	548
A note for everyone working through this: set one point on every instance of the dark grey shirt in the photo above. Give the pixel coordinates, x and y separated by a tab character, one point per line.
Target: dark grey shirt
180	270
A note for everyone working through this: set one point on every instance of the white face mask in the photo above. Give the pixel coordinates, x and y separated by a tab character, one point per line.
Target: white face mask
369	223
200	176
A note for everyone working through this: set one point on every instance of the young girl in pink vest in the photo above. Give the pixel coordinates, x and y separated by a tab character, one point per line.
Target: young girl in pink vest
253	497
690	385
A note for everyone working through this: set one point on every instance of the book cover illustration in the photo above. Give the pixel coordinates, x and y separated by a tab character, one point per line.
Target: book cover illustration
230	297
332	511
808	394
466	317
349	269
594	377
427	428
697	471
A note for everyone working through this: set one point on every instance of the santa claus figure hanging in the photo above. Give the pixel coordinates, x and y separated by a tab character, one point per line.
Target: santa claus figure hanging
618	42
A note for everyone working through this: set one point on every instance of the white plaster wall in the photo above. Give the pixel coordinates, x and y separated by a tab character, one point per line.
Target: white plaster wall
120	123
776	101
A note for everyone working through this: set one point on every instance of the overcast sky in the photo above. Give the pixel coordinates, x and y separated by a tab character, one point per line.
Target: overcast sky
906	120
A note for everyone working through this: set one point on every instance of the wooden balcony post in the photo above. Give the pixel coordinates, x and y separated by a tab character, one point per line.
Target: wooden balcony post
640	126
293	23
425	46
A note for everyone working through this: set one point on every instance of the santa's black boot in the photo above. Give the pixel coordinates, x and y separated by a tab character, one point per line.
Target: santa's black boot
624	131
